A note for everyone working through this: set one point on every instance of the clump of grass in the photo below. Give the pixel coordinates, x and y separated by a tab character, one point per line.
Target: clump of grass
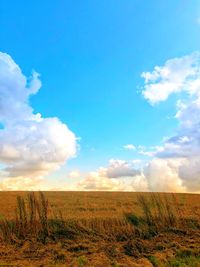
21	218
115	264
82	261
59	258
154	261
145	204
185	257
31	220
133	219
178	262
111	251
6	229
159	212
42	209
160	247
135	248
188	252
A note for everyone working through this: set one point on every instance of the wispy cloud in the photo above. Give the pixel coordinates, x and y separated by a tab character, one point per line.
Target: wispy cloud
129	147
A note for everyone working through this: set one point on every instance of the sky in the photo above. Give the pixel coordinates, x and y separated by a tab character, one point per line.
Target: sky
100	95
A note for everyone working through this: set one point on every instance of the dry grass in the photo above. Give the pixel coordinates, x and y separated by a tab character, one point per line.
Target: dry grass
82	228
30	220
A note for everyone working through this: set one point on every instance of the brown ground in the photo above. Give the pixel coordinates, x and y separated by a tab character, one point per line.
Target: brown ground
104	211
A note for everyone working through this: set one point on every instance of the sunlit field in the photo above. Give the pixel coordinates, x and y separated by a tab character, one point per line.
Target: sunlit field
99	229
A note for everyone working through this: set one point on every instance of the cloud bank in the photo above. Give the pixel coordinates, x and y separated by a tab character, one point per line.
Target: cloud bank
30	146
114	178
175	166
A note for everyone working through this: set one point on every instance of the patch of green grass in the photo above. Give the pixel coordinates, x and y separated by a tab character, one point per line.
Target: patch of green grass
184	253
133	219
160	247
183	262
185	257
82	261
115	264
154	261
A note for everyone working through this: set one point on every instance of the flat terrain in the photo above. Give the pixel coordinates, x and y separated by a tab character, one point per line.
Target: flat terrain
108	229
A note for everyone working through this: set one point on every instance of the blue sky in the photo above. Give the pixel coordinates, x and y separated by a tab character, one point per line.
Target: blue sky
90	55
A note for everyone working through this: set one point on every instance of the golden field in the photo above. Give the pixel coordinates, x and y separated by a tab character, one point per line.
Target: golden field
99	229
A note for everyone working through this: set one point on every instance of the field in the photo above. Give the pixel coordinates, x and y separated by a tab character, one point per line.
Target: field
99	229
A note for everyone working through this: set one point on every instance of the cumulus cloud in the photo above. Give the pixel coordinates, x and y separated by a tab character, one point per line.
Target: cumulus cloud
120	168
176	163
176	75
20	183
163	175
138	183
114	178
30	146
174	166
95	181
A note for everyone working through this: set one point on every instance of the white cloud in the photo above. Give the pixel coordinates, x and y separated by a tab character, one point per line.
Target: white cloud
120	168
129	147
20	183
119	175
74	174
163	175
190	174
30	146
138	184
174	166
176	163
177	75
96	182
